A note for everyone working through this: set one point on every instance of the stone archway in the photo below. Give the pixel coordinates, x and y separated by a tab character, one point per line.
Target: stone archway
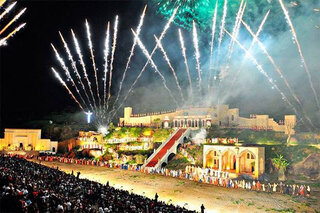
228	158
212	159
170	157
247	161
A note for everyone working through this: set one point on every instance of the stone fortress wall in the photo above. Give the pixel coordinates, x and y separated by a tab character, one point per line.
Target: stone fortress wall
197	117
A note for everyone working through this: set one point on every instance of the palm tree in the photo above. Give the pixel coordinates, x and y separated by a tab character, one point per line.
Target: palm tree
281	165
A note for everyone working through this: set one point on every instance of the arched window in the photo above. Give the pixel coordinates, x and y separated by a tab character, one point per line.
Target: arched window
232	117
248	155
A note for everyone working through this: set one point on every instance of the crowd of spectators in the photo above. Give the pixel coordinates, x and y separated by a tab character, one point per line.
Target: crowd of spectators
30	187
202	175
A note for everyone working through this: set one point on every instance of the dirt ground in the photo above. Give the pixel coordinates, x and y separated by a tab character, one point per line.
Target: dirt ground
192	194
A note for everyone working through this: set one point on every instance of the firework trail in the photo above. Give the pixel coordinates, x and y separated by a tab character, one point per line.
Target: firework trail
163	33
278	70
73	64
3	41
92	59
261	70
145	51
138	30
76	43
223	22
106	55
114	43
170	66
213	32
65	86
183	50
112	59
236	29
8	9
65	68
13	20
250	48
2	2
259	31
197	53
235	33
286	13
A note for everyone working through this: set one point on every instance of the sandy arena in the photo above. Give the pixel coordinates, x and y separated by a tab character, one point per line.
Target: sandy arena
192	194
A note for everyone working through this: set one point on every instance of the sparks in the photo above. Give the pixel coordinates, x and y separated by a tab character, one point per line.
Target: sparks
7	10
74	67
223	22
92	59
303	61
66	87
164	31
65	68
213	32
138	30
114	43
106	55
183	50
170	66
145	51
3	41
278	70
197	54
78	50
13	20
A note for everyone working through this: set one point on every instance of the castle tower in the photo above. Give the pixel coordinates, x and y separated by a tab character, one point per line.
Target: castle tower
127	114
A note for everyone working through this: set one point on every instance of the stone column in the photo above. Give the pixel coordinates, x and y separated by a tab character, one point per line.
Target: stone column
256	167
237	164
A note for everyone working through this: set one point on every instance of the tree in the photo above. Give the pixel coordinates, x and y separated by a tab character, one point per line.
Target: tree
157	122
281	164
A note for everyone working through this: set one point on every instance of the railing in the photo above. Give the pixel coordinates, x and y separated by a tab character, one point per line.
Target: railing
159	148
173	149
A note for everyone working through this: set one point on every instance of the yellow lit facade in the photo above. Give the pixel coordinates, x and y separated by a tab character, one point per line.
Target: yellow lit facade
26	139
235	159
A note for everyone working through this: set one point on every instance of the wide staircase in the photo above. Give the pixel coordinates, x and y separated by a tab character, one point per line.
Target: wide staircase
162	150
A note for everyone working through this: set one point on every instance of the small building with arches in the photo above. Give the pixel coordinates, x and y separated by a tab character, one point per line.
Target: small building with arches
235	159
26	140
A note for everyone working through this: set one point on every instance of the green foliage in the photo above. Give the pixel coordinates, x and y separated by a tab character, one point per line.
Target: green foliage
280	162
136	152
248	136
159	135
178	162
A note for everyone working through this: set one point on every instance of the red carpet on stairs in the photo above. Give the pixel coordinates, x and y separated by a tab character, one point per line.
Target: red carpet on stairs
164	149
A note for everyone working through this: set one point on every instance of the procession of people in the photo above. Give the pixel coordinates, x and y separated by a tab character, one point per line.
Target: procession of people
198	174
